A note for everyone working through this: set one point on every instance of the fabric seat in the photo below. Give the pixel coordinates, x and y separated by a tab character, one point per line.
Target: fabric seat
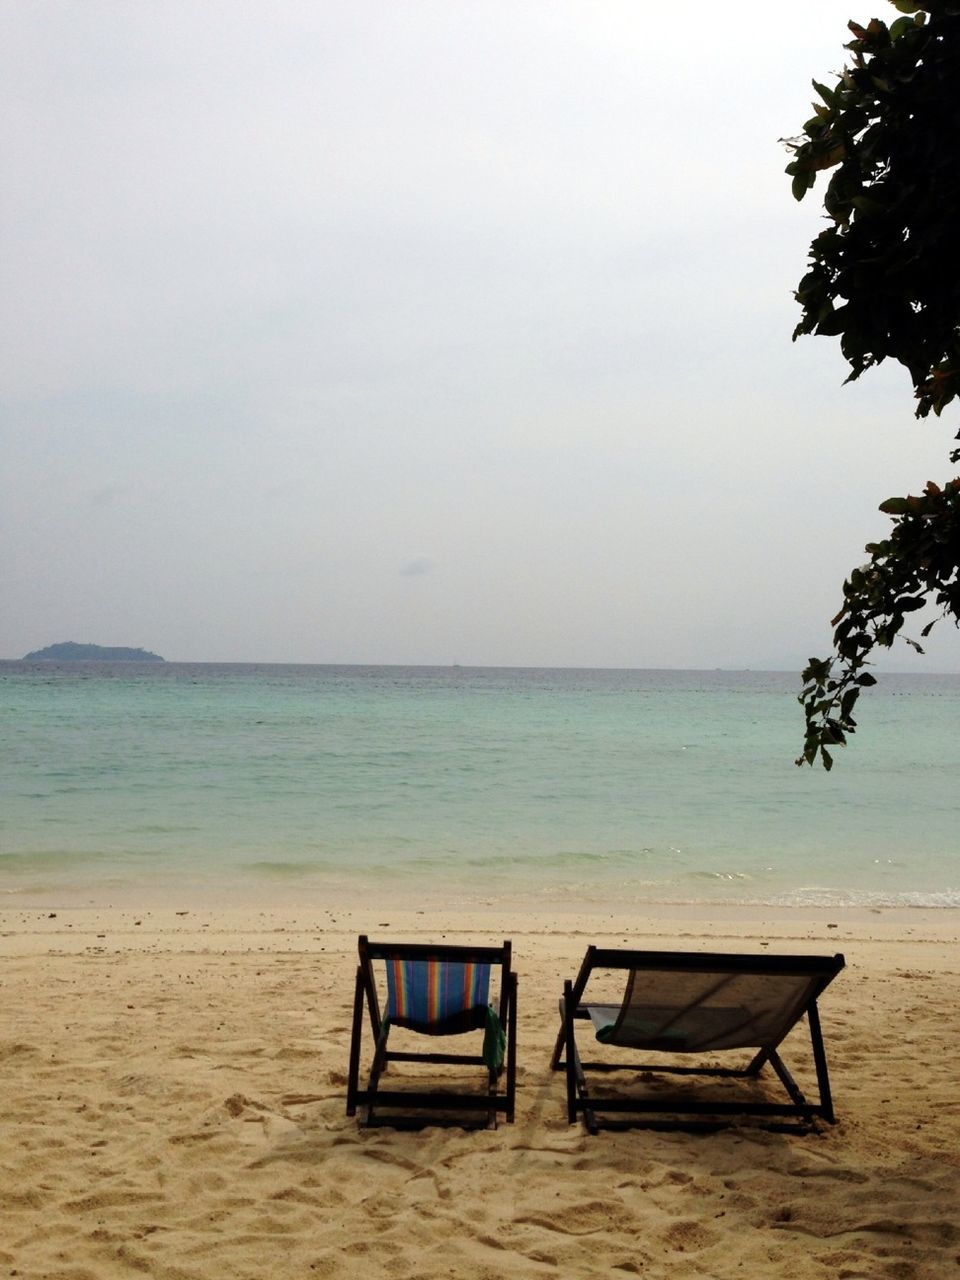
434	991
689	1003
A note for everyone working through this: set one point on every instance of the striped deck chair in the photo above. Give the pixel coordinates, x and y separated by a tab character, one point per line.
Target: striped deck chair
435	991
684	1003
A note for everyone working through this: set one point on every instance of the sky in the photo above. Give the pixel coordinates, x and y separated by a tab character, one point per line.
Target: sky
442	331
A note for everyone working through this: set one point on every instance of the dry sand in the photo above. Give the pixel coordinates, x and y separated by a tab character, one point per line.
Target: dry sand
172	1103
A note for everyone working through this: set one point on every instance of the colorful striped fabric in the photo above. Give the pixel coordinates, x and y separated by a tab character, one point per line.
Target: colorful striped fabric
433	994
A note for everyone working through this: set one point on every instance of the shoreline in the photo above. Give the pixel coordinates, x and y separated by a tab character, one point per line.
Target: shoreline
233	889
49	928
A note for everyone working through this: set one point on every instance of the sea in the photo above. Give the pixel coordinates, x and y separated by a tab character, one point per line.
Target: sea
122	782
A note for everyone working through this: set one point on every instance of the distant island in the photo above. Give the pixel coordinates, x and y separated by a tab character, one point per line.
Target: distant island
69	651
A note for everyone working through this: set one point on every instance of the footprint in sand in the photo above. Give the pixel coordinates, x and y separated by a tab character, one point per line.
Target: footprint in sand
689	1236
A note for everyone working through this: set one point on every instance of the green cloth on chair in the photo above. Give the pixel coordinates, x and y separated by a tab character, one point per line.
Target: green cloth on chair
494	1041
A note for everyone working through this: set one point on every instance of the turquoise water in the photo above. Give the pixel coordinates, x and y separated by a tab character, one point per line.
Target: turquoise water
505	785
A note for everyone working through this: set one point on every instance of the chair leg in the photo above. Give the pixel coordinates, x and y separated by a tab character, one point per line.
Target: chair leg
379	1066
569	1050
492	1095
577	1093
787	1080
509	1068
556	1060
512	1050
757	1063
353	1073
820	1059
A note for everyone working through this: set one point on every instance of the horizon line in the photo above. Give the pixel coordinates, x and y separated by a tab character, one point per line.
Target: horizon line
448	666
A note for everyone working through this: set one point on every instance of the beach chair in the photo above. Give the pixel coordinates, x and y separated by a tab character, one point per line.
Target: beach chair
435	991
681	1003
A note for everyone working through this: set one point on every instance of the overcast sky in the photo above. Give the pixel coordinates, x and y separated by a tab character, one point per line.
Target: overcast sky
427	331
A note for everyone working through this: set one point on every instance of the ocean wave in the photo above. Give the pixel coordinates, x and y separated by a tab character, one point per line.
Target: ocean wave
819	896
20	863
715	876
282	869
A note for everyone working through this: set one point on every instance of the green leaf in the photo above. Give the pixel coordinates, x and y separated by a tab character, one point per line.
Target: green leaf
833	322
868	205
833	155
900	26
848	701
827	759
881	279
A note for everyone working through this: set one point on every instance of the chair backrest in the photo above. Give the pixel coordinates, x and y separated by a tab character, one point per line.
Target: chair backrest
438	990
425	993
683	1002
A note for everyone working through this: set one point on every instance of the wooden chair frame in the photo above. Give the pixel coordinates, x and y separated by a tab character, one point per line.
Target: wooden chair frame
486	1105
685	1112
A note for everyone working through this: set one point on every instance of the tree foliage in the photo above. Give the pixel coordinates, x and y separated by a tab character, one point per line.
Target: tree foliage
884	277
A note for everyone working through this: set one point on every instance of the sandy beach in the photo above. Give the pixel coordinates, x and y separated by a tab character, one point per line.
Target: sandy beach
172	1093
